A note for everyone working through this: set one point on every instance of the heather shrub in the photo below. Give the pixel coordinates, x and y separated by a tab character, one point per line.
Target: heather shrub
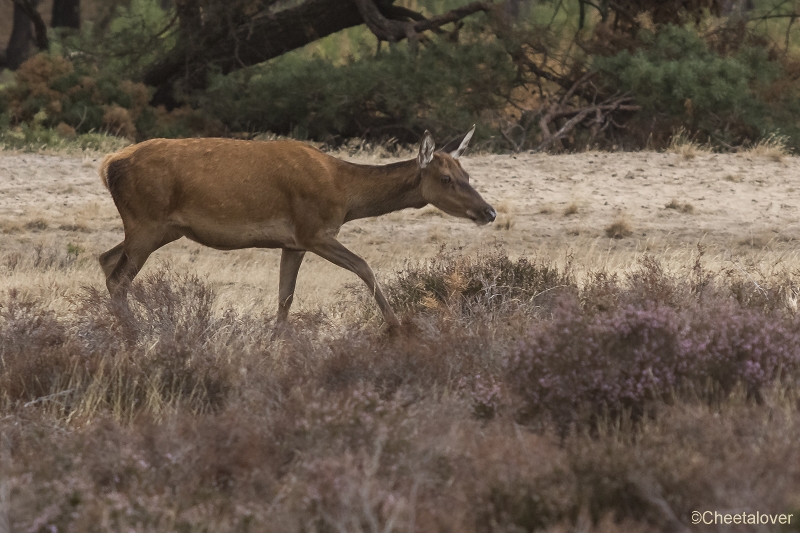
163	413
350	418
578	365
429	351
345	493
491	282
729	345
29	336
624	345
485	393
161	352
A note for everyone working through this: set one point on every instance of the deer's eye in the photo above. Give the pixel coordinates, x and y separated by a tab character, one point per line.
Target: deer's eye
445	179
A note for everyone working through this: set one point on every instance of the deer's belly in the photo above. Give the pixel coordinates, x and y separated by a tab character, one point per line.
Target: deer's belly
272	234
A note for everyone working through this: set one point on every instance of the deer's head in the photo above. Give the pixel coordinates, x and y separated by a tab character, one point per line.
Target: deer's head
445	183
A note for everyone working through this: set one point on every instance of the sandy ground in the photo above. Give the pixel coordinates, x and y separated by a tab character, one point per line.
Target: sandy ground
742	208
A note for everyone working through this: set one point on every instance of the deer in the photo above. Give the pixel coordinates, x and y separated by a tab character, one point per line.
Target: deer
231	194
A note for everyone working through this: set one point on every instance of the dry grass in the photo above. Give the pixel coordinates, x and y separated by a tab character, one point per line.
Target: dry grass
36	225
437	234
619	228
10	226
685	207
734	178
571	209
759	240
682	144
504	222
773	147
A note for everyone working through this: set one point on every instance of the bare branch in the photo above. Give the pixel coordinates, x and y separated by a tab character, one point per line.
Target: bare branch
583	79
390	30
399	12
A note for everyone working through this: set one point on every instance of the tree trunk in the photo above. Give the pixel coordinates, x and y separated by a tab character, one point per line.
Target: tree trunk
28	27
66	14
19	44
261	40
237	41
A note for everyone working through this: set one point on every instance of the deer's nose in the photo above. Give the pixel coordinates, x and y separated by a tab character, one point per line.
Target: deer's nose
490	214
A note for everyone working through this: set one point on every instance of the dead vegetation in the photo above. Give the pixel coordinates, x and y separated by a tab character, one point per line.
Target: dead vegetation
168	412
683	144
773	147
619	228
684	207
571	209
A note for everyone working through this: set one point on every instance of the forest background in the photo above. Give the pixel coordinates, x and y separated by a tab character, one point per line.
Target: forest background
533	75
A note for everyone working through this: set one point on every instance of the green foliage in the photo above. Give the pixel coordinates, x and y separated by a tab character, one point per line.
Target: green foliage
676	77
35	138
75	249
444	87
132	36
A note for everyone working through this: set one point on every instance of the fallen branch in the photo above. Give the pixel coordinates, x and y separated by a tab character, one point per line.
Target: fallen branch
547	118
602	117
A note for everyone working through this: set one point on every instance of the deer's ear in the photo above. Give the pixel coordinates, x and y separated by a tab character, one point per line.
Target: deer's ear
457	146
426	147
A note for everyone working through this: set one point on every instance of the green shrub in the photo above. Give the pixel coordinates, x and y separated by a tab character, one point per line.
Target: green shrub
444	87
680	81
121	40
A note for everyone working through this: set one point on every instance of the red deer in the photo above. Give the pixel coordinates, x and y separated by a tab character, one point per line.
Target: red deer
230	194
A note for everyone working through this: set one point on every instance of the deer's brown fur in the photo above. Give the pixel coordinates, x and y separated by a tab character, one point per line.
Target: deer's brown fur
230	194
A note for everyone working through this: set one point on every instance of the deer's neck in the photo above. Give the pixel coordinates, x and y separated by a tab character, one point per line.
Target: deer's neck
376	190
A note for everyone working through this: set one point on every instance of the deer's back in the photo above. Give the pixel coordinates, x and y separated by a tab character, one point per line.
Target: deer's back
222	178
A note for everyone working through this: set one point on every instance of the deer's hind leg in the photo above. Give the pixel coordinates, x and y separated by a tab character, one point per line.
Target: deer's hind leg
135	250
108	260
290	265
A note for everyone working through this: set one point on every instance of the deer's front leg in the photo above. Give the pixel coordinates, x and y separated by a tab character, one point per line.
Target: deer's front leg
332	250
